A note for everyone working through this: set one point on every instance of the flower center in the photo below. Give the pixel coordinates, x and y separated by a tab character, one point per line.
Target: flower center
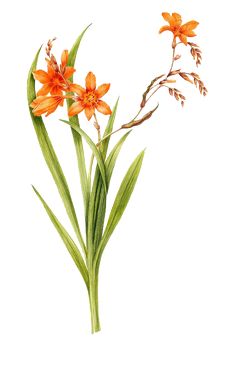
176	30
90	99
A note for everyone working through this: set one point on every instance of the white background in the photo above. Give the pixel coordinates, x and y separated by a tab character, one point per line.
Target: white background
167	284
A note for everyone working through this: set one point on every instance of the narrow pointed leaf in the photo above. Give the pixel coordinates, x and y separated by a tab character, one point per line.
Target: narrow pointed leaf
108	130
111	160
99	209
51	157
69	243
94	149
74	49
120	203
76	136
97	203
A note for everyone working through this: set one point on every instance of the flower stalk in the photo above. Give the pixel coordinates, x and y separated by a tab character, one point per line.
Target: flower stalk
93	300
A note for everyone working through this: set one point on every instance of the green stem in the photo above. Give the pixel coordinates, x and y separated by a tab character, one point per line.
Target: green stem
93	300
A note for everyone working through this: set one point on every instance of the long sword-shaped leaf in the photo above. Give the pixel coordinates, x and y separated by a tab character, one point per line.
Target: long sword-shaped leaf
94	149
76	136
100	196
108	130
51	157
74	49
120	203
111	160
69	243
97	202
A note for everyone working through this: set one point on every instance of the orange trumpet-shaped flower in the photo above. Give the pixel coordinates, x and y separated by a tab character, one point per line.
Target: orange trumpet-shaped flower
55	80
46	104
182	31
89	99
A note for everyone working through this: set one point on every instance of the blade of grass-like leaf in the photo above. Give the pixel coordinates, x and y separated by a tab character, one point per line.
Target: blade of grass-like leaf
111	160
109	128
76	136
120	203
74	49
51	157
69	243
94	149
99	209
97	201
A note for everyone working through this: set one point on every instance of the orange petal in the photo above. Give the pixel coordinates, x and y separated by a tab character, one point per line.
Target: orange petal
44	90
64	58
44	105
173	20
103	107
183	38
89	112
167	17
41	76
58	100
75	108
52	108
51	72
37	101
177	19
102	90
68	72
56	90
189	26
77	89
165	28
190	34
90	81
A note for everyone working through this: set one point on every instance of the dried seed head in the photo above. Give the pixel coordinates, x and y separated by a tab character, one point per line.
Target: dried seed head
177	94
198	83
195	75
53	63
177	57
49	46
185	77
150	86
167	81
175	72
134	123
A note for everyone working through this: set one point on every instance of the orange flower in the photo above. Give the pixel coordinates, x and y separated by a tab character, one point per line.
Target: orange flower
175	26
46	104
89	99
55	80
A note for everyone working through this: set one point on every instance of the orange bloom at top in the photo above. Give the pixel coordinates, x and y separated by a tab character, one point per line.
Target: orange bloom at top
182	31
55	80
89	99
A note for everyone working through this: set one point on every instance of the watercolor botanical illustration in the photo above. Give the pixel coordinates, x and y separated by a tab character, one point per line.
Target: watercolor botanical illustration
57	88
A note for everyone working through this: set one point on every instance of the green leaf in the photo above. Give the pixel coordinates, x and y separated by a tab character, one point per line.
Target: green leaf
74	49
108	130
120	203
97	204
76	136
99	209
111	160
51	157
94	149
69	243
